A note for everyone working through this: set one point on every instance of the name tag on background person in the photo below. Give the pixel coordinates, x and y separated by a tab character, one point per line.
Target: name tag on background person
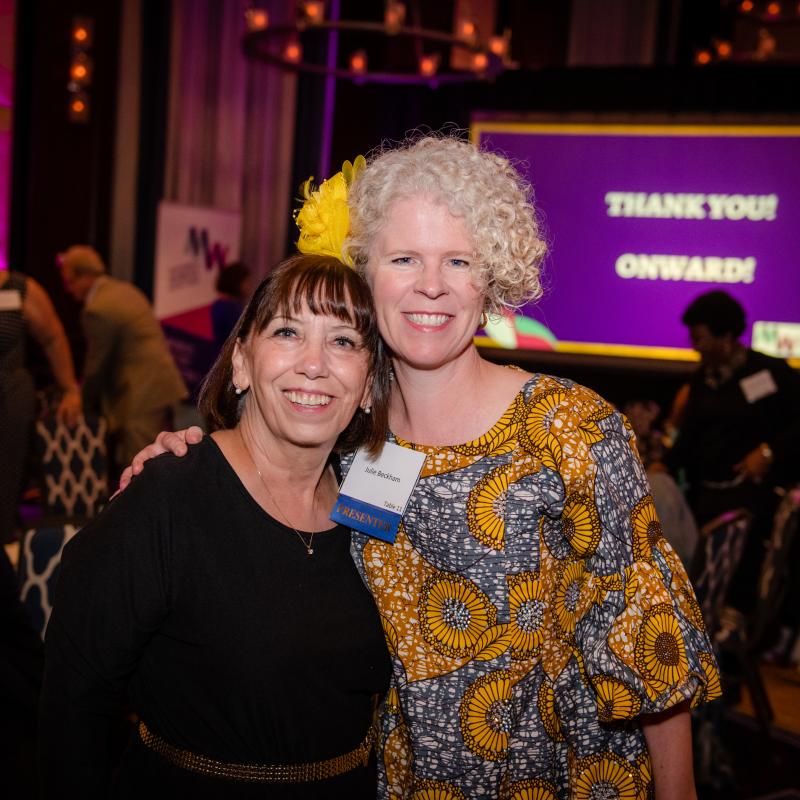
10	300
375	492
759	384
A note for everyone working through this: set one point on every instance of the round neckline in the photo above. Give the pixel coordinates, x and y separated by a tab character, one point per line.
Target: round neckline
259	508
501	422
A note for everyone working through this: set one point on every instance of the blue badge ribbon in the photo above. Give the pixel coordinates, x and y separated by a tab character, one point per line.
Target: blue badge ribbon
369	519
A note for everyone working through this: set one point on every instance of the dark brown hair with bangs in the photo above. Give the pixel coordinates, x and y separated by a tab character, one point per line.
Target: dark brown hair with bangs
326	286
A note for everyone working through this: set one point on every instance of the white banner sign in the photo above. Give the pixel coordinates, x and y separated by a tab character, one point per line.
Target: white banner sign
192	246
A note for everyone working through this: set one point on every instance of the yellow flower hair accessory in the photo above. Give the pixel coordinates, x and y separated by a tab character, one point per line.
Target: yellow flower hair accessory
324	219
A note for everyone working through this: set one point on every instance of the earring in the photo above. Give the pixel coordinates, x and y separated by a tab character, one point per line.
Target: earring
237	389
367	409
484	319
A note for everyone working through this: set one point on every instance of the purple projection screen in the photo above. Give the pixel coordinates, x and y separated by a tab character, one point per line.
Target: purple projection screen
643	218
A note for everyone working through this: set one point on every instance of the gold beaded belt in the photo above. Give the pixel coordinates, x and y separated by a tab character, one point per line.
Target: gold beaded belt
260	773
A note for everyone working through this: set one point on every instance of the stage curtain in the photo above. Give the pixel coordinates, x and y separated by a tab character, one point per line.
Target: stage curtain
231	125
613	33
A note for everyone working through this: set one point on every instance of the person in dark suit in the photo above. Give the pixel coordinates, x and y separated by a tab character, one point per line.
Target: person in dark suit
129	375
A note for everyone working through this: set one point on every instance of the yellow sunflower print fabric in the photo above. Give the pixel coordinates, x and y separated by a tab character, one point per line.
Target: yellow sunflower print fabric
533	610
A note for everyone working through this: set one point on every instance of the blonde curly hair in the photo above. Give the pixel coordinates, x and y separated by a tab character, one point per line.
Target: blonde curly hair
480	187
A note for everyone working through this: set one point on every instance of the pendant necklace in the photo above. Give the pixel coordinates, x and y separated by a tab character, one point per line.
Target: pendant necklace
307	544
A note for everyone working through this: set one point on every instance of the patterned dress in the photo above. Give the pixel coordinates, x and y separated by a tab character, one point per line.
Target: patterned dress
533	610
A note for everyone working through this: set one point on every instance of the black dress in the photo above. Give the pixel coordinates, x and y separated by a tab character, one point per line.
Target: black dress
232	641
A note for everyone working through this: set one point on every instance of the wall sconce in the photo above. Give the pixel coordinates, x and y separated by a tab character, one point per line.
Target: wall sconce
79	107
81	69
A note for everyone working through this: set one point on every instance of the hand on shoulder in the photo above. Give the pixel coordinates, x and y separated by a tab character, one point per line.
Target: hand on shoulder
175	442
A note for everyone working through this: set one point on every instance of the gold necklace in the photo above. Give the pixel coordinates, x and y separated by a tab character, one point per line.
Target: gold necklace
306	544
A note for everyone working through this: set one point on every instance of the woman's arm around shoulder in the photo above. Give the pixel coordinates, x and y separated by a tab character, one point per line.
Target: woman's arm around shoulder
175	442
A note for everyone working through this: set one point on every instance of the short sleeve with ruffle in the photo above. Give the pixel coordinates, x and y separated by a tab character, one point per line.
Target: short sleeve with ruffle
634	626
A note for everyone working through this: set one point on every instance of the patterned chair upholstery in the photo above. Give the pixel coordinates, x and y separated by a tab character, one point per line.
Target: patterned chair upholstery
39	562
74	464
722	544
745	635
717	557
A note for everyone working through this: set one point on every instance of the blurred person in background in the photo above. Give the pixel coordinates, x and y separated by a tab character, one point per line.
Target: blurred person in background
26	308
740	424
739	435
233	288
129	375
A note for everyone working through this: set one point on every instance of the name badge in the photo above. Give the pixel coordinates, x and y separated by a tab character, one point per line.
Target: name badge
10	300
375	492
759	384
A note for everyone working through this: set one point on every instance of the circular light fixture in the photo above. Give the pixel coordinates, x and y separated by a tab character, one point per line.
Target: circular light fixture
281	46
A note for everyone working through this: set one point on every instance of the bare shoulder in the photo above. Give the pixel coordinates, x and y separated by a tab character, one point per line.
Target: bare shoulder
34	291
37	307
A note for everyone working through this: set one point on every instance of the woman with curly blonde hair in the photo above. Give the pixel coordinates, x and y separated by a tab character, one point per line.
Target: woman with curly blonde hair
544	637
481	188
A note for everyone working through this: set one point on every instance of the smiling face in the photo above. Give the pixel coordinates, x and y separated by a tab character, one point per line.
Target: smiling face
420	271
306	374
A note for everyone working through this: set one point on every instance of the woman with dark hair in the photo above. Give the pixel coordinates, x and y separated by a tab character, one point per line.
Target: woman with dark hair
217	592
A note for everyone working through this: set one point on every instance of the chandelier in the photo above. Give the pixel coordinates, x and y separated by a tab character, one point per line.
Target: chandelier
285	46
